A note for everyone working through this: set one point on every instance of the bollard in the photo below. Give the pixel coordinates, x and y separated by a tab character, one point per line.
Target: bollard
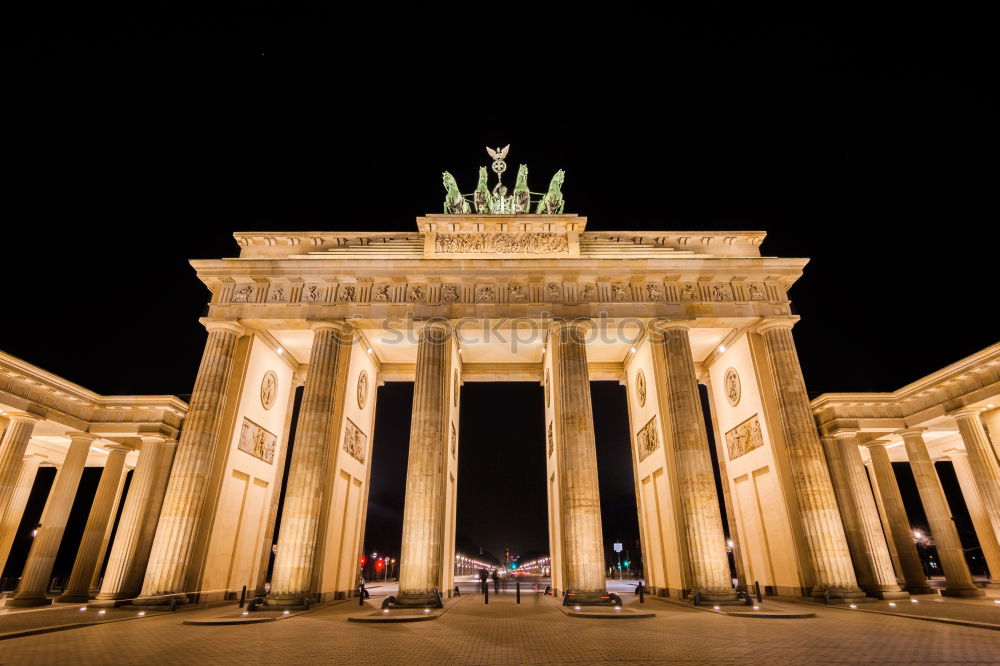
756	585
518	588
305	602
361	594
173	604
243	596
486	592
642	591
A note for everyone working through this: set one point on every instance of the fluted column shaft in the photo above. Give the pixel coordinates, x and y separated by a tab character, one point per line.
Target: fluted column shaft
121	563
848	512
821	523
185	498
949	547
988	538
983	463
291	580
11	519
706	540
876	553
106	539
421	553
12	450
583	540
41	558
151	518
78	589
895	511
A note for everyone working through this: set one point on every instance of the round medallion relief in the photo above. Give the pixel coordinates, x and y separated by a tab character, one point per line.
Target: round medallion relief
455	388
640	387
732	383
268	389
362	389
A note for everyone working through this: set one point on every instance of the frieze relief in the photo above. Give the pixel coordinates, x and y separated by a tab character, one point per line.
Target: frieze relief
744	438
257	441
647	440
514	292
502	243
355	441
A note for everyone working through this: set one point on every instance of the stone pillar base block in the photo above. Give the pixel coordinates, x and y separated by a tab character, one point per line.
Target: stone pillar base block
73	599
26	602
918	588
839	594
946	592
418	600
720	597
289	601
888	595
160	600
599	598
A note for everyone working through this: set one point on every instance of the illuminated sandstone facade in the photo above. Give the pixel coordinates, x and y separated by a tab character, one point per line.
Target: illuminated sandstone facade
464	298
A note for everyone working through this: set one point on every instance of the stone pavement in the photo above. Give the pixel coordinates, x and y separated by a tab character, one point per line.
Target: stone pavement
506	633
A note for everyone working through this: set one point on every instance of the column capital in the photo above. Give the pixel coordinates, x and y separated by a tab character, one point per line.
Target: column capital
778	321
73	436
324	324
954	451
845	433
112	448
35	457
211	324
911	433
665	324
966	412
576	322
875	443
24	416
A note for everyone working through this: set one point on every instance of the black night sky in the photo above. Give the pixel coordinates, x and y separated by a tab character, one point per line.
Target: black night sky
135	143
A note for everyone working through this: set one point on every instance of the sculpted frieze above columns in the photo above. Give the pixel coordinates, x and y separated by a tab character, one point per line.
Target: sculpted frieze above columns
640	289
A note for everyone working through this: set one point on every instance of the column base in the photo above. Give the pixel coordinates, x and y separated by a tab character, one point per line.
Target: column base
723	597
888	594
919	588
25	602
289	601
155	601
429	599
946	592
838	594
598	598
78	598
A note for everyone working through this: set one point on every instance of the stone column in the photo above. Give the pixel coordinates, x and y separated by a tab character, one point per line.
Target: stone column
95	579
41	558
291	580
78	589
949	548
583	541
15	508
119	577
985	469
886	527
12	450
821	524
706	540
185	499
902	534
421	553
991	422
848	512
151	518
980	519
875	551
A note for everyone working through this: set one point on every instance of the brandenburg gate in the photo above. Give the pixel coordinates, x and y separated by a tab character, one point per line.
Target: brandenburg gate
500	287
496	288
